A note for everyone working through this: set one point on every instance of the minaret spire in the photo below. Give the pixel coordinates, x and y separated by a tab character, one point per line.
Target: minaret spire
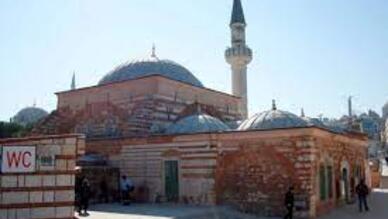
237	13
153	52
72	86
274	107
239	55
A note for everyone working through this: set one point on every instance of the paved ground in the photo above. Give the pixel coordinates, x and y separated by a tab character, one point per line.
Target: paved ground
379	208
378	204
165	211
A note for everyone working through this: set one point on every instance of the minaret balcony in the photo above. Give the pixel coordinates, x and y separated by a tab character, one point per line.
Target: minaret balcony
238	54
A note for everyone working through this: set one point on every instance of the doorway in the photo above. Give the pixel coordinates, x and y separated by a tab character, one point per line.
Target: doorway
345	187
171	180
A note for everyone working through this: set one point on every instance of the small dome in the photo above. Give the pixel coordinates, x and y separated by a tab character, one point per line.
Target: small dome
273	119
312	121
197	123
29	115
152	66
335	126
234	124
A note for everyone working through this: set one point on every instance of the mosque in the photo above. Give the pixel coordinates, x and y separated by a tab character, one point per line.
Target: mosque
183	142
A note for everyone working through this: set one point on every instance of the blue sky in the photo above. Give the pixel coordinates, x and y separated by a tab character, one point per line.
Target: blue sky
310	54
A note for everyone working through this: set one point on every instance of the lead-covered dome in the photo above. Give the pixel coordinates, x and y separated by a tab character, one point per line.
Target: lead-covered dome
273	119
152	66
314	122
197	123
29	115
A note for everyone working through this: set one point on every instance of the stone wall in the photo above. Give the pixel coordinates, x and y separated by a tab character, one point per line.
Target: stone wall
133	108
249	170
254	173
47	192
340	152
254	170
142	160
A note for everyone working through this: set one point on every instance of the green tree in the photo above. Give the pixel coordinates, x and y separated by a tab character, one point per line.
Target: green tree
12	130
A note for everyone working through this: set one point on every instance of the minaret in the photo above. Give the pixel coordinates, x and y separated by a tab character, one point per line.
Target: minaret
350	110
72	87
239	56
350	113
302	114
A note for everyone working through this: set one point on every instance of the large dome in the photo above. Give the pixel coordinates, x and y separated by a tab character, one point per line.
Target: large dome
197	123
29	115
273	119
152	66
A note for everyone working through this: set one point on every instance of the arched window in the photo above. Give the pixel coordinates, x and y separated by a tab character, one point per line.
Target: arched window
326	179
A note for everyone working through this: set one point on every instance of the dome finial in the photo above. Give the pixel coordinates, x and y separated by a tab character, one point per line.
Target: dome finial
274	105
302	113
153	53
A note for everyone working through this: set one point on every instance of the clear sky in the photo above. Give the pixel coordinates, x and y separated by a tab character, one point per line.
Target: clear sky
310	54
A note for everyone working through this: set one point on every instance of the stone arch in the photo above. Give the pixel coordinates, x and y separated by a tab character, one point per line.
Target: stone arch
345	176
325	177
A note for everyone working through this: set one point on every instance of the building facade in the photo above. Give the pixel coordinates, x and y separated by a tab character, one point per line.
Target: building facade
182	142
249	170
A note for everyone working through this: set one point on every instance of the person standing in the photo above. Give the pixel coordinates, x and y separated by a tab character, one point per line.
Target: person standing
78	185
84	196
289	203
104	196
126	187
362	191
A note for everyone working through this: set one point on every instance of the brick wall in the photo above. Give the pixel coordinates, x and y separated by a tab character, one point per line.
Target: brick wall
133	108
254	174
255	169
142	161
48	192
249	170
337	151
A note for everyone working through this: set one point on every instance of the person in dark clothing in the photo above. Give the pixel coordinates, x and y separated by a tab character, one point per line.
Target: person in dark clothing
289	203
104	191
362	191
84	196
78	185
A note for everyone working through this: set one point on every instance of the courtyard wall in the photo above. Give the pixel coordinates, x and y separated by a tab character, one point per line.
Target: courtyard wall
48	191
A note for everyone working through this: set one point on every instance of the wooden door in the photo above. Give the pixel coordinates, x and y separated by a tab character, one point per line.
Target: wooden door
171	180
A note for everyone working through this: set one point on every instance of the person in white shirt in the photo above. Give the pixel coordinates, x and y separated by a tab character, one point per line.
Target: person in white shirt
126	187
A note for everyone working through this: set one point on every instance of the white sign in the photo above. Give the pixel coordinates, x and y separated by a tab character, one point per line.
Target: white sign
18	159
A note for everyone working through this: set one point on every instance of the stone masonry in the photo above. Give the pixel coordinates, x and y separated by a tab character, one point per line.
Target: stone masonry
250	171
48	192
133	108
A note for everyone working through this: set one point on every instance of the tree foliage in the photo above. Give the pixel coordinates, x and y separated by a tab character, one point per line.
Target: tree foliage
13	130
